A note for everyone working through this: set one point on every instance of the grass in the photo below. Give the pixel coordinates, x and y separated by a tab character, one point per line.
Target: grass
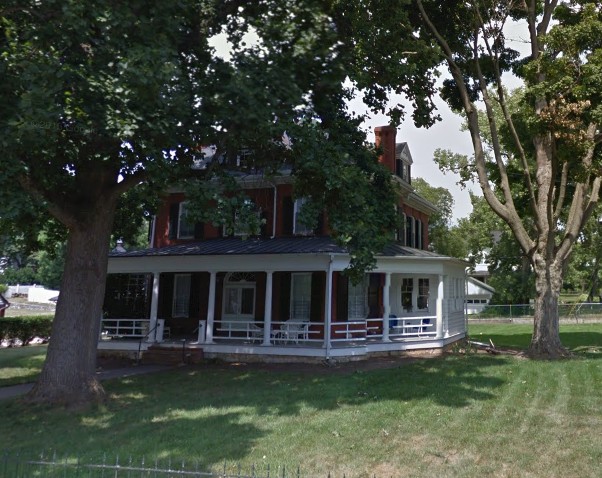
21	364
459	416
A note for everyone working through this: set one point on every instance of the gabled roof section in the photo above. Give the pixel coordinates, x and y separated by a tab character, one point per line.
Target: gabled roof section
402	151
277	245
480	285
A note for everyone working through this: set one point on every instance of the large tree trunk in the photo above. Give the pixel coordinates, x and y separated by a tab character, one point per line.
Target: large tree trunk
545	342
69	373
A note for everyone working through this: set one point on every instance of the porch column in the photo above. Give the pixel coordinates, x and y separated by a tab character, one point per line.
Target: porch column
440	311
211	308
152	326
386	307
328	309
267	322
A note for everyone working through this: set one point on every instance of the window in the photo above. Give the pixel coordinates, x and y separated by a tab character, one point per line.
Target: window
357	300
401	232
409	231
247	220
407	289
423	294
418	233
185	226
181	295
300	296
239	295
298	227
127	295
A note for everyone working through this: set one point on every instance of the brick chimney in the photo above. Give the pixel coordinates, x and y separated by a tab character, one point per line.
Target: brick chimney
385	139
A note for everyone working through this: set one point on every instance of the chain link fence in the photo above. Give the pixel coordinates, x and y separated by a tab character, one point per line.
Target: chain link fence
579	312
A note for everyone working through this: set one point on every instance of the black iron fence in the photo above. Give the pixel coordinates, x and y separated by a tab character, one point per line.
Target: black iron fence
16	465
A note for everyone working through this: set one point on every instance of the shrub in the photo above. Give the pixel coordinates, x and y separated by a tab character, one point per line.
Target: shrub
25	328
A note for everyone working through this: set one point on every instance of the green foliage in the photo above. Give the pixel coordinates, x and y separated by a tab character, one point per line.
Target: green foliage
25	328
441	235
25	275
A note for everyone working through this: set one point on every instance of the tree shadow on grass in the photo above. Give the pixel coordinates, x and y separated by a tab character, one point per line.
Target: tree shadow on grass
215	413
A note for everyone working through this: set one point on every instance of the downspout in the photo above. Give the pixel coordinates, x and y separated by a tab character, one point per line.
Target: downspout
152	232
274	210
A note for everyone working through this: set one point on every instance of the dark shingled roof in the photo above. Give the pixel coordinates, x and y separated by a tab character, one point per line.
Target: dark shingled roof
279	245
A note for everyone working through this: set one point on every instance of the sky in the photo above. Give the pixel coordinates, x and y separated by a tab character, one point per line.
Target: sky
423	142
446	134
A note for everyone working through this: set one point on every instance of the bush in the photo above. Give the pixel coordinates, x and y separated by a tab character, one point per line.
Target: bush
3	288
25	328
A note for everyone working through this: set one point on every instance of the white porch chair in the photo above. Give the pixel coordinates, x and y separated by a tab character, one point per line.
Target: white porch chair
294	331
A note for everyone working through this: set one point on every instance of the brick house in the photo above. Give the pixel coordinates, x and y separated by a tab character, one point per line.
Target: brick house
282	294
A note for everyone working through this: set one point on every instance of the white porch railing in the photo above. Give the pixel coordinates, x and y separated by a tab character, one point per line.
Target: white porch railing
287	332
248	330
124	328
413	326
351	331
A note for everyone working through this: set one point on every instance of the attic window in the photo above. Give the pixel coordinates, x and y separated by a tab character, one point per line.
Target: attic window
403	170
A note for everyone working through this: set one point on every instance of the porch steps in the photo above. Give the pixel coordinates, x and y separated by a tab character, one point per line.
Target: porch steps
172	355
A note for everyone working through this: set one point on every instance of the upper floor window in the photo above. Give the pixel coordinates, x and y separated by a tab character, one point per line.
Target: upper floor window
410	236
180	224
418	233
185	226
246	220
299	228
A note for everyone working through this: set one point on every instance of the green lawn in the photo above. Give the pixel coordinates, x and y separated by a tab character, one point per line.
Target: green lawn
21	364
464	416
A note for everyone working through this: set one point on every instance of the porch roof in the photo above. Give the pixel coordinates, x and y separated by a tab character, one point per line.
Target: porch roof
278	245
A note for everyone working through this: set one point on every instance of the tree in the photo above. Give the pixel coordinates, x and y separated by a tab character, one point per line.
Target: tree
103	98
440	228
106	99
554	133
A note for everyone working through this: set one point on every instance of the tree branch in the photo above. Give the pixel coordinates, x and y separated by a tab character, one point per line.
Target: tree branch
60	213
508	214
